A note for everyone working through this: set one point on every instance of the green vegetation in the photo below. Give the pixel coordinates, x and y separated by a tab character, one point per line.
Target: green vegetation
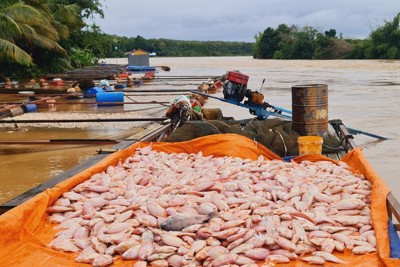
36	36
294	42
109	46
50	36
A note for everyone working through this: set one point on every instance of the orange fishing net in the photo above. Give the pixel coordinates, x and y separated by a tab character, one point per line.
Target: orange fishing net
25	232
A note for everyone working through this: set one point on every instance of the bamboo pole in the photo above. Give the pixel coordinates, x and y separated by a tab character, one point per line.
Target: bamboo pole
85	120
89	103
59	142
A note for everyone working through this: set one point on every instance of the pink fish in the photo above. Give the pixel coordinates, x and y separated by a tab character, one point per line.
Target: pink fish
145	250
313	260
141	264
156	210
349	204
327	256
102	261
224	260
285	243
258	254
278	258
172	240
54	209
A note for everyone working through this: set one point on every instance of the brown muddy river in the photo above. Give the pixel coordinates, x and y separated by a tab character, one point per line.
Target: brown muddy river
364	94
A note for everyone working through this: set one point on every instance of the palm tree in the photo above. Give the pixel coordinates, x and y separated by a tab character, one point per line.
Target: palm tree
26	26
11	30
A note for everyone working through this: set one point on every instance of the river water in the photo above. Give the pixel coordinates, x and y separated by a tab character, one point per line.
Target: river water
364	94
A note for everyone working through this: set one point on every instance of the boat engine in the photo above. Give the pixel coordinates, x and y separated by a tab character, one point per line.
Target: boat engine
235	90
235	86
179	112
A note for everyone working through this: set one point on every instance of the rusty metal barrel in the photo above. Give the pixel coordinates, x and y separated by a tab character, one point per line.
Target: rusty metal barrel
310	109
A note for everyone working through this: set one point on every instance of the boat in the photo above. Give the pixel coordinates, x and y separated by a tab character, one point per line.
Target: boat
30	210
132	68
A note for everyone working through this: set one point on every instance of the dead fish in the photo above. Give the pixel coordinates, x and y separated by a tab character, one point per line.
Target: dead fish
327	256
179	221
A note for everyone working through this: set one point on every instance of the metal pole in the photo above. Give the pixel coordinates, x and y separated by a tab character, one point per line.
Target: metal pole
116	63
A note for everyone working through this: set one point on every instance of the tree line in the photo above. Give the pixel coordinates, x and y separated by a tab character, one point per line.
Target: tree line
293	42
49	36
109	46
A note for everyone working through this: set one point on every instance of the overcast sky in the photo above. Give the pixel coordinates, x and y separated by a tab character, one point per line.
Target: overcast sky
233	20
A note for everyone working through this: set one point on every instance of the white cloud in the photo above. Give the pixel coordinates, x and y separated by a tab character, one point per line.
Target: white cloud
232	20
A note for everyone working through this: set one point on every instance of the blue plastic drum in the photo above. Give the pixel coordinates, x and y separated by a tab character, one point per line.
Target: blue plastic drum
91	92
110	99
29	108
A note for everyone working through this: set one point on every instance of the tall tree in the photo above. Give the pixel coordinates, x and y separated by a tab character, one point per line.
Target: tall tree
385	41
17	22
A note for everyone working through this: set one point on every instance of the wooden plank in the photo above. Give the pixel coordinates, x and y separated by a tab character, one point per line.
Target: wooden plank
333	156
347	137
151	128
393	206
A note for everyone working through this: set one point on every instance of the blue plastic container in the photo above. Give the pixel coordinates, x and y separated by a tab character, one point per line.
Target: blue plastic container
120	86
288	158
140	68
91	92
137	82
104	99
108	89
149	68
29	108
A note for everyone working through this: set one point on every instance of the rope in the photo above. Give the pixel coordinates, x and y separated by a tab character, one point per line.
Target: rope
251	124
283	141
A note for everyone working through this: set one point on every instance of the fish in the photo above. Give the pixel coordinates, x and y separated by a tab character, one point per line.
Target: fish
327	256
209	211
179	221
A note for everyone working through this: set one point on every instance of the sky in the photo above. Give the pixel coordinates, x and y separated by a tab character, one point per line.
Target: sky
233	20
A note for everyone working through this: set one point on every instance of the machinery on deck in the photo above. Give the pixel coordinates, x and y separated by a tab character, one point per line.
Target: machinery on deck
235	90
179	112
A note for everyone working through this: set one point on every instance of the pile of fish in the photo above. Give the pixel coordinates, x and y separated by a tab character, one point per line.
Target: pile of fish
182	209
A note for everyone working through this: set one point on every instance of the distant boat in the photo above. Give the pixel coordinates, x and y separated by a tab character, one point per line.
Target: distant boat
152	54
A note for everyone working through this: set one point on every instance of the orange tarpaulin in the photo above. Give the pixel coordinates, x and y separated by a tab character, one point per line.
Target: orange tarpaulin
25	232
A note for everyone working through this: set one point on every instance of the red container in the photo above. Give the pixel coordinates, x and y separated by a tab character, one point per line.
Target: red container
123	75
57	83
149	74
218	84
237	77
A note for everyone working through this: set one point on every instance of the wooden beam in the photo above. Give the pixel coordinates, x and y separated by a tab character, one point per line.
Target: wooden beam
393	206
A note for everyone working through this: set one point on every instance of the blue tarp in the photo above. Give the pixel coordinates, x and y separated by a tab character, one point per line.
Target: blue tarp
394	241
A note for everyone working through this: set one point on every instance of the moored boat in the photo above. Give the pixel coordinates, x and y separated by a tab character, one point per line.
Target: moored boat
33	216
